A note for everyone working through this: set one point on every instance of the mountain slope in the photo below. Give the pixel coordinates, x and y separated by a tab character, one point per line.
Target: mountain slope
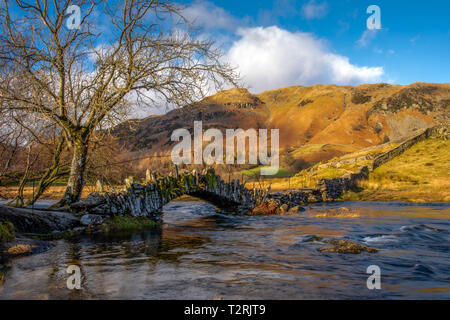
316	123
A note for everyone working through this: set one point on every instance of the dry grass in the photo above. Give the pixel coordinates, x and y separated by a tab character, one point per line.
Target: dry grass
53	193
281	184
371	151
421	174
19	249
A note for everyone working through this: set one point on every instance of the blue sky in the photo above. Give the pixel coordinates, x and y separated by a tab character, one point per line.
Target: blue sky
331	37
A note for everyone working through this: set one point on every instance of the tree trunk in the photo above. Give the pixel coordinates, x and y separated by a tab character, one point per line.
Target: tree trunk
18	201
50	176
76	177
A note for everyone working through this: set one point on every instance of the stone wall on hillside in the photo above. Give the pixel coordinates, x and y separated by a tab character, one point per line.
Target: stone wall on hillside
334	188
388	156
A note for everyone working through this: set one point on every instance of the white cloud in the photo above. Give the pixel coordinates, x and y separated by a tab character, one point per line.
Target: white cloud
366	37
313	10
208	15
270	58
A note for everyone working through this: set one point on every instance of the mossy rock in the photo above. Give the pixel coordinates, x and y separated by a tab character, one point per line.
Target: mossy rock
113	225
345	246
342	246
6	231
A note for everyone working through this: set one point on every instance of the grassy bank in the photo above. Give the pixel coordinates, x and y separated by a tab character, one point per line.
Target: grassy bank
124	224
421	174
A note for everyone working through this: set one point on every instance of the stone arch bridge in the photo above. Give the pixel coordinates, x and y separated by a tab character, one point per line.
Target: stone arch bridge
147	200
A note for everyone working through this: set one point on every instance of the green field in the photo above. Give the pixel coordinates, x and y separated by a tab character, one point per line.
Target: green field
282	173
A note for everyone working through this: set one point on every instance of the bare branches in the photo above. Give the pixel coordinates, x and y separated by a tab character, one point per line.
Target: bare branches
123	55
78	79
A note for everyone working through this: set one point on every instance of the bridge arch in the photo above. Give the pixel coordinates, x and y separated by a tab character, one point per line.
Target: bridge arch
148	199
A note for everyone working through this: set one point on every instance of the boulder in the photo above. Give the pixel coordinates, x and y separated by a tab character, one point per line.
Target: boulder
91	201
345	246
36	221
284	209
91	219
295	210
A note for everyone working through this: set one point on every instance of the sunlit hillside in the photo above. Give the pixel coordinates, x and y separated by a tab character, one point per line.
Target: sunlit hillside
421	174
316	123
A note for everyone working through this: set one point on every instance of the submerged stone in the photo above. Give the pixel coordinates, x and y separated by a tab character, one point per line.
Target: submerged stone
345	246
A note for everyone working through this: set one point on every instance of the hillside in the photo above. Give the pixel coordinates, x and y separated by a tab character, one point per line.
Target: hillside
316	123
231	109
416	170
421	174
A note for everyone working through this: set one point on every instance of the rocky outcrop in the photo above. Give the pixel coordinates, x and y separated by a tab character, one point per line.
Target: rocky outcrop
35	221
25	221
22	246
341	246
345	246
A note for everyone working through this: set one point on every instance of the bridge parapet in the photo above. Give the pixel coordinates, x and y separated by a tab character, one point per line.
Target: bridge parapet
148	199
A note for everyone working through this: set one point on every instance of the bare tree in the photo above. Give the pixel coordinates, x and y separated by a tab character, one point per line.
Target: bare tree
85	79
27	146
10	140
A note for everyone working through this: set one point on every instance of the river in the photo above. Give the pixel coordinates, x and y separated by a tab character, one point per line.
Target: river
200	253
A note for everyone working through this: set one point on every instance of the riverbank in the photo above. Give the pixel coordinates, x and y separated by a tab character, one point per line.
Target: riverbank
28	231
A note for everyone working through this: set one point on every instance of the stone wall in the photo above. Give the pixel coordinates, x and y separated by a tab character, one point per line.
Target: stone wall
388	156
293	198
335	187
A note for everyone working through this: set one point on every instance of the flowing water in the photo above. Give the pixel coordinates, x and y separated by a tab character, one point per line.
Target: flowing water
200	253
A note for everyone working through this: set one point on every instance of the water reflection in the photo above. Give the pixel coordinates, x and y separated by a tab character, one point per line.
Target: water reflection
200	253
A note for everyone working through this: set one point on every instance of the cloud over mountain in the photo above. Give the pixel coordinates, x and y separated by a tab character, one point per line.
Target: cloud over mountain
273	57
